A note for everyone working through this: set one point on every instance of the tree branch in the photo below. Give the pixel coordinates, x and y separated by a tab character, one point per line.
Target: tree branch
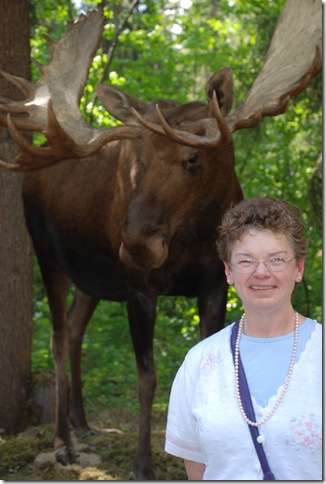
113	46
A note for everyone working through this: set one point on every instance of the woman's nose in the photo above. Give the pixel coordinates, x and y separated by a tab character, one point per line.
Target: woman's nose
261	268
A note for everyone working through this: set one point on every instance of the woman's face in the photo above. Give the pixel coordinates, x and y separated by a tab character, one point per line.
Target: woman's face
263	289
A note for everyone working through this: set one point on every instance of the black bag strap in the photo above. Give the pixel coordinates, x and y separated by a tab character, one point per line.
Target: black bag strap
247	405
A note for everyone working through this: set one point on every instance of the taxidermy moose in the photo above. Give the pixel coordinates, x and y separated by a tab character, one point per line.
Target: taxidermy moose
131	212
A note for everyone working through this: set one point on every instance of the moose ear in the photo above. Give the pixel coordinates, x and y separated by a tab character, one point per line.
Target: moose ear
119	104
222	83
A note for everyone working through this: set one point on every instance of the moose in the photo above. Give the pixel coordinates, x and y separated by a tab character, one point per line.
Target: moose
131	212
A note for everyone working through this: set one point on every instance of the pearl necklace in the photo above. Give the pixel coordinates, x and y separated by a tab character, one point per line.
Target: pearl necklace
287	381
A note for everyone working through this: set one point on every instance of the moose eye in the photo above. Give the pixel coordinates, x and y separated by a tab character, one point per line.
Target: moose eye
193	165
193	158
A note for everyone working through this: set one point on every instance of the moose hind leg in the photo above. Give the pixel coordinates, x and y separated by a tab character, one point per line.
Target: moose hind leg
212	309
79	315
142	314
56	283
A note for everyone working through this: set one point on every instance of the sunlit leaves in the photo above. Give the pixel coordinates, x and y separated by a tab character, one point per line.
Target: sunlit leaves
165	51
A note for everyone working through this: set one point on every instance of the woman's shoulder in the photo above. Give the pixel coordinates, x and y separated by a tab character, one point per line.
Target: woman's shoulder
217	341
318	326
317	329
312	325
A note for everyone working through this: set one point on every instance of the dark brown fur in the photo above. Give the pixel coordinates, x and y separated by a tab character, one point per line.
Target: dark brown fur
134	191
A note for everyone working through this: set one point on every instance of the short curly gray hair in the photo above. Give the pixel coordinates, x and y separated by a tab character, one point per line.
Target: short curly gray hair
262	213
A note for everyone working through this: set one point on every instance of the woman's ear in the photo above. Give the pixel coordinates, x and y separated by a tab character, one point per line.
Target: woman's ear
228	273
300	270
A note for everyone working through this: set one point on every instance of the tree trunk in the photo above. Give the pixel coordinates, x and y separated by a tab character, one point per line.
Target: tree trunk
16	276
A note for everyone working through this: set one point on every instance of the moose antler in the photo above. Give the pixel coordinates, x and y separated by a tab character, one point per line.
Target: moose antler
293	59
220	137
53	102
61	146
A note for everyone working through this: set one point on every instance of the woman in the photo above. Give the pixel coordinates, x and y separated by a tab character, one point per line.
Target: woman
263	247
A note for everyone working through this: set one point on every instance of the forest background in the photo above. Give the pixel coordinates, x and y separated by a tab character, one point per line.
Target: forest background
168	49
158	49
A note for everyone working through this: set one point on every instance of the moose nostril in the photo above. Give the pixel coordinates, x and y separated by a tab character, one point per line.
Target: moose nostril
149	255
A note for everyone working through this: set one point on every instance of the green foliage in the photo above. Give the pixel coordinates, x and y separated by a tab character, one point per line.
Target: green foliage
165	50
110	377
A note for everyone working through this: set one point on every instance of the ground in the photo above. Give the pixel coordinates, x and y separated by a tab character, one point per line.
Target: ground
107	455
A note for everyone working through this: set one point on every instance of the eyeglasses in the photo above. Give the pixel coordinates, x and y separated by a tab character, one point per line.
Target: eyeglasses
247	266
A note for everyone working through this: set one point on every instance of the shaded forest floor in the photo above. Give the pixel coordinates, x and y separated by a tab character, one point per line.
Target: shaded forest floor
106	455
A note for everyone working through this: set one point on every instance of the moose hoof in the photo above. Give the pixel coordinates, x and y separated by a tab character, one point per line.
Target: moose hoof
142	475
65	456
89	433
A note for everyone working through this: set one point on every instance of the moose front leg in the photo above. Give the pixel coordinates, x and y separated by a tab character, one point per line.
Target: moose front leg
80	313
142	314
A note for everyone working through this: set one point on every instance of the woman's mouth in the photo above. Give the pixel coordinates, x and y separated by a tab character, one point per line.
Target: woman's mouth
261	288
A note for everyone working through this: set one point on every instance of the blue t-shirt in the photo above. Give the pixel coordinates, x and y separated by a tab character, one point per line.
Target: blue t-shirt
267	370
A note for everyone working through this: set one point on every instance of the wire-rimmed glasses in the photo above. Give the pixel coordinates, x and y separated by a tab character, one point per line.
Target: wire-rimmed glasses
248	265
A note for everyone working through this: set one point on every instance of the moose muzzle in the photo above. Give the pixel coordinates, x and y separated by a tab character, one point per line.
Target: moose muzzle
150	253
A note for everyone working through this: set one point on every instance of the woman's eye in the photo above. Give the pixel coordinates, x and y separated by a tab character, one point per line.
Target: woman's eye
245	262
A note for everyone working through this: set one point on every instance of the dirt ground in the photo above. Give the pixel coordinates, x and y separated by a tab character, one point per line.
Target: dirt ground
106	455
